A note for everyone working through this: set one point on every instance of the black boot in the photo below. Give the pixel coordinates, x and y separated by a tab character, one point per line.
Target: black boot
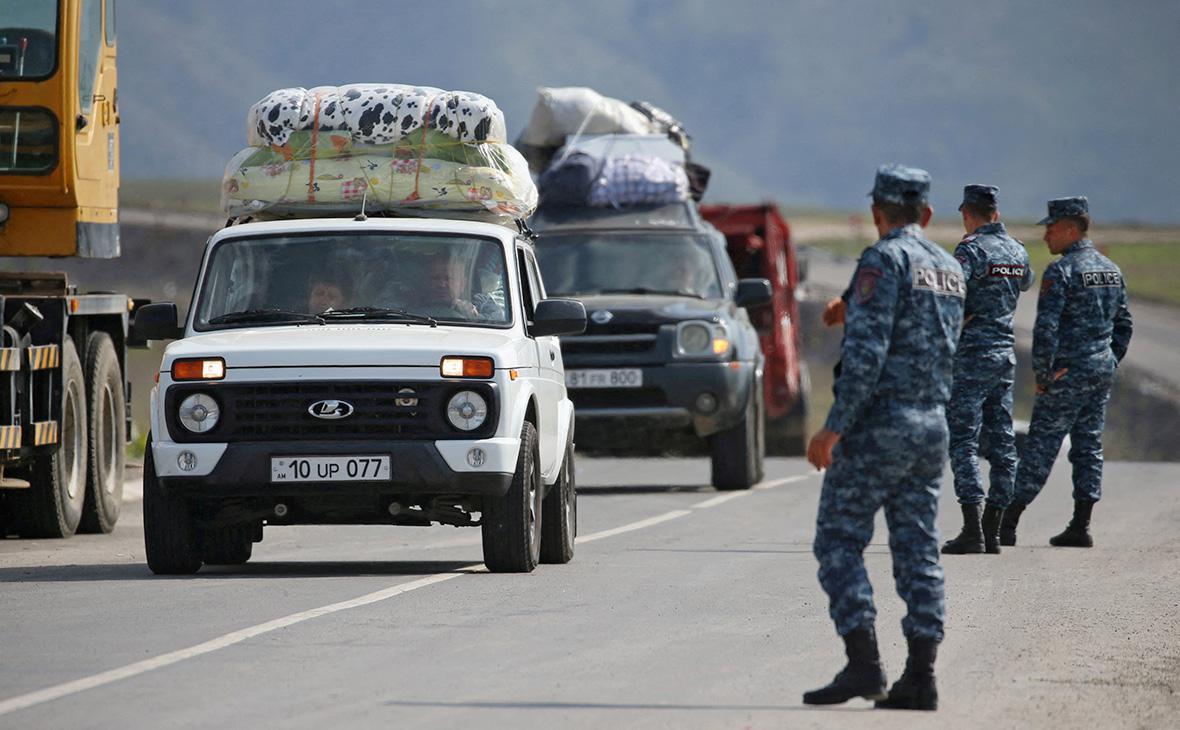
1077	533
915	689
992	515
970	540
861	677
1008	523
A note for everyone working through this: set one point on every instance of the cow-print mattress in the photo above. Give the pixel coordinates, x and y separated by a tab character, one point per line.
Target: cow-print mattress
374	113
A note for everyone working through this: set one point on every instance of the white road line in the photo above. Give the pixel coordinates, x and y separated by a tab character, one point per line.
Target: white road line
633	526
786	480
723	498
21	702
719	499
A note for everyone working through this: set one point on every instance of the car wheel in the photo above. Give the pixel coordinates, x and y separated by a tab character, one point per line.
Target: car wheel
169	532
737	452
51	507
230	545
106	436
559	525
511	525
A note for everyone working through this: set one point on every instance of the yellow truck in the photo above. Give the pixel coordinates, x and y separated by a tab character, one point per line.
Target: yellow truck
63	388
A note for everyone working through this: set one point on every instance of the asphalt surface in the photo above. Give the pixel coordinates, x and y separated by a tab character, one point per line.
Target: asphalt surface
683	608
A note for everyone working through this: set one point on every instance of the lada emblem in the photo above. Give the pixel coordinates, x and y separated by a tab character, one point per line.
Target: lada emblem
331	410
602	316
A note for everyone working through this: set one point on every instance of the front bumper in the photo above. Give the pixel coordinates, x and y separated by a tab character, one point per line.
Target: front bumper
669	396
417	467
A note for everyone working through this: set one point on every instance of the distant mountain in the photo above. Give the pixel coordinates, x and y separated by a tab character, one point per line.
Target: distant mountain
790	100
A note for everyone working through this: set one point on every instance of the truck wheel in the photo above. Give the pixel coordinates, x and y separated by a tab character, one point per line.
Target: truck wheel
787	436
559	525
230	545
511	524
738	452
106	436
169	535
52	505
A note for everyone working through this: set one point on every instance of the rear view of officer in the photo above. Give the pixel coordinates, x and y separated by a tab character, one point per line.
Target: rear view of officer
884	443
1082	332
995	267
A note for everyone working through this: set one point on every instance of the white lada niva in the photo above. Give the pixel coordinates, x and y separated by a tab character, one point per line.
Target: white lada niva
363	371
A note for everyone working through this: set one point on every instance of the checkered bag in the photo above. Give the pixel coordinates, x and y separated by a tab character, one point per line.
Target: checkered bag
638	180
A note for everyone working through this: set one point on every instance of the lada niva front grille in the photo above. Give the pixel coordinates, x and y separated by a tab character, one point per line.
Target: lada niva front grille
380	410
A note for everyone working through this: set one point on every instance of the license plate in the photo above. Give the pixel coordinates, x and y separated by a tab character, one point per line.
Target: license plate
621	378
329	469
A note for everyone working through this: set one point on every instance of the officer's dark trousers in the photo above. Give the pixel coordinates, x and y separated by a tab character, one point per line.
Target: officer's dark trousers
981	400
1074	405
892	458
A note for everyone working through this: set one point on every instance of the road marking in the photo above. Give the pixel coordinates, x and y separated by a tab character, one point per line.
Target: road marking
21	702
633	526
723	498
719	499
786	480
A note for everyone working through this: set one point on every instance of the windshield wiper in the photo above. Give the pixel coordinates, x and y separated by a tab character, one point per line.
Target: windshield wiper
648	290
266	315
388	315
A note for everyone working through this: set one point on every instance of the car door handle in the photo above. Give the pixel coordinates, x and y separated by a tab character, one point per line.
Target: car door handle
552	356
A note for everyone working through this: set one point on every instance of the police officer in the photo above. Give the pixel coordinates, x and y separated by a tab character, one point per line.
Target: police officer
995	267
884	443
1082	332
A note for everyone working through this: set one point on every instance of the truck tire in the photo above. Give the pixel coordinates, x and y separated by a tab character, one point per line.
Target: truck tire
230	545
52	506
511	525
169	533
738	451
106	436
787	436
559	523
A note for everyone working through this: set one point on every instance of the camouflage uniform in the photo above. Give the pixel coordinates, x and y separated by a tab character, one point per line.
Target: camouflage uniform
1083	324
900	330
996	270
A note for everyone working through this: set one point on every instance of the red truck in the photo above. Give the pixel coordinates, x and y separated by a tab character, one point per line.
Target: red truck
759	243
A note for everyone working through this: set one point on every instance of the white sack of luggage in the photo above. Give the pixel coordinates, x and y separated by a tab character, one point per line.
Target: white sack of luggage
410	150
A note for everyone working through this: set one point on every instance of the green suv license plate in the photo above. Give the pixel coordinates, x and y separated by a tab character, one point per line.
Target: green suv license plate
329	469
619	378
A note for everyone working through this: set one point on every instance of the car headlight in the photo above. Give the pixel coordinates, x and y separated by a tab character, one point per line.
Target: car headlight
467	410
198	413
694	339
701	339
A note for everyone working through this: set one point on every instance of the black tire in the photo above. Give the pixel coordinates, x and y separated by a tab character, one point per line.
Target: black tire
511	525
230	545
52	506
787	436
169	533
738	452
106	436
559	523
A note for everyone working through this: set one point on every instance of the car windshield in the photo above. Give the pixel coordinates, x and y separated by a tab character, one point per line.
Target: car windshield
585	263
350	277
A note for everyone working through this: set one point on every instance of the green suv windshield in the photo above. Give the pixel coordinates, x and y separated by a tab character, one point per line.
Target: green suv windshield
321	278
588	263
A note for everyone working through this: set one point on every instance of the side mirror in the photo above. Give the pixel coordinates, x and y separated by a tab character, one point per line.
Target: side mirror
156	321
558	317
752	293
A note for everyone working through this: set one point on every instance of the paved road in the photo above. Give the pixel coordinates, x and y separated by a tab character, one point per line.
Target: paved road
684	608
